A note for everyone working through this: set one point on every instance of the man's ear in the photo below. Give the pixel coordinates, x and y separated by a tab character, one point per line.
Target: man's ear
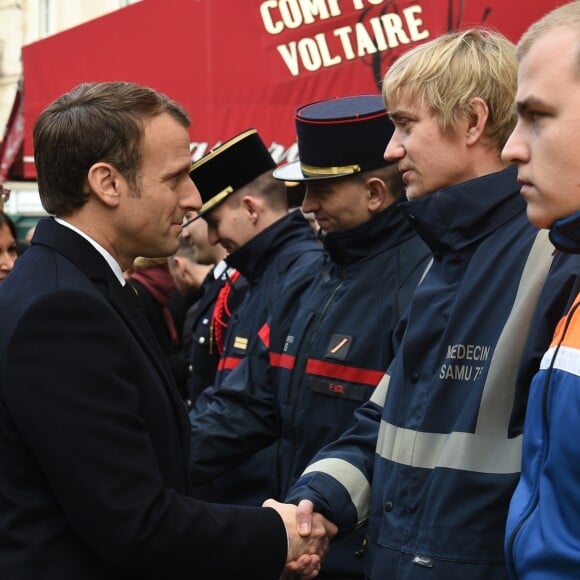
105	182
376	194
477	115
252	207
179	268
176	263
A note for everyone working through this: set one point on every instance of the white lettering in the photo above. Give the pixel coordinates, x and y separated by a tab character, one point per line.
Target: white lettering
342	34
359	4
292	153
290	13
468	351
290	57
327	60
313	53
457	372
309	53
312	8
363	38
393	26
413	23
295	13
280	153
378	33
270	26
198	150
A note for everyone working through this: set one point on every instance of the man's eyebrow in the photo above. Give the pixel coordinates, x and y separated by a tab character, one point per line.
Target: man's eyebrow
177	172
402	114
528	103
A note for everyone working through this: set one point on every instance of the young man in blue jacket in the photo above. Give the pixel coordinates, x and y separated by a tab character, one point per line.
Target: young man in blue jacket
329	338
543	537
435	455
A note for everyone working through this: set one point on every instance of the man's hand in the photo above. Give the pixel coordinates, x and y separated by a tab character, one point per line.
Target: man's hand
304	516
305	550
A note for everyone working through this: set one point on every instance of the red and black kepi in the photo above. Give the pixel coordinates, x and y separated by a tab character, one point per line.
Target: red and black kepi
339	137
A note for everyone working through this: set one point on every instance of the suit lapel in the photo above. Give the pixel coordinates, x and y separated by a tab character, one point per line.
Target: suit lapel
125	302
89	260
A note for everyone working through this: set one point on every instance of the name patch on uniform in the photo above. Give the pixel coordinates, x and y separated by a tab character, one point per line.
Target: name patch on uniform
338	346
339	389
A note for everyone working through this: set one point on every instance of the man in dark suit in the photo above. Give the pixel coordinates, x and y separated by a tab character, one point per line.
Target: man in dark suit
93	434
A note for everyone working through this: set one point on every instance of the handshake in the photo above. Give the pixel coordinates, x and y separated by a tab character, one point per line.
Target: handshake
309	536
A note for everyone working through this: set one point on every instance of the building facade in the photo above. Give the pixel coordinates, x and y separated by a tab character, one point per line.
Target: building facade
23	22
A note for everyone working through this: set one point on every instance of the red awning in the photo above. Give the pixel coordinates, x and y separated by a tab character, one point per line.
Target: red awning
11	146
236	65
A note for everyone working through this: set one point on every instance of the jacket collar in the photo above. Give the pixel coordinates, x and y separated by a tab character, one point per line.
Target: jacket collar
386	229
254	256
77	249
455	217
86	258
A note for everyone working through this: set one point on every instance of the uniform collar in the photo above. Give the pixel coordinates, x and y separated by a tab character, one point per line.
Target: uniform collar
253	257
455	217
386	229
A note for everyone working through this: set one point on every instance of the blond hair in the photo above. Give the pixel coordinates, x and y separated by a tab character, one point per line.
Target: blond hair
446	73
566	16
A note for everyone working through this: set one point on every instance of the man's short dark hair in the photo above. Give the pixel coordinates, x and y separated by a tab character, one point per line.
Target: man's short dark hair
93	122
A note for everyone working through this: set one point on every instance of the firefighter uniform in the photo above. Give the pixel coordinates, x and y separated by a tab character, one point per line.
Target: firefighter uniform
266	261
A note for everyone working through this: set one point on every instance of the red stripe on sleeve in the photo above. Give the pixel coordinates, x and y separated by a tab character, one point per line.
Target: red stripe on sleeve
229	363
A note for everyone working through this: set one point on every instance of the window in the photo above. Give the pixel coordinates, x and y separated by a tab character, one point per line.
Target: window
45	18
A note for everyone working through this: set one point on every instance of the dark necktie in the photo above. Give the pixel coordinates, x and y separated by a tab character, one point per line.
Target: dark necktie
132	299
131	295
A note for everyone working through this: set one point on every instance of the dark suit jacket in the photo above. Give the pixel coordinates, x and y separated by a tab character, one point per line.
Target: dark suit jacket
94	438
